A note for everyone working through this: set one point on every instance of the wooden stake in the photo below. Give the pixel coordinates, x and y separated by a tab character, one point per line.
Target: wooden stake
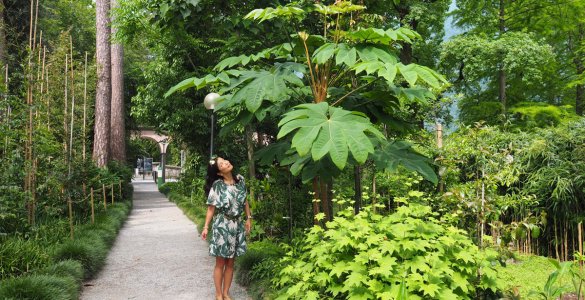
92	207
104	192
580	232
70	205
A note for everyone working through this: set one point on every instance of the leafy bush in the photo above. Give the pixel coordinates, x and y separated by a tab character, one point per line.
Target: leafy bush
39	287
166	187
258	252
19	256
531	114
91	253
406	254
66	268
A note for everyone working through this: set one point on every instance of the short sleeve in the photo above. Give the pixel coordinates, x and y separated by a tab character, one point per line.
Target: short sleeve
213	198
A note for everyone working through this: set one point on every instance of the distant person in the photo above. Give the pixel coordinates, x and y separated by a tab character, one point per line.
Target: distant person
226	201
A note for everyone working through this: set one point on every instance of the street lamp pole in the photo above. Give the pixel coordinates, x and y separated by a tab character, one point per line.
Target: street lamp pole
209	102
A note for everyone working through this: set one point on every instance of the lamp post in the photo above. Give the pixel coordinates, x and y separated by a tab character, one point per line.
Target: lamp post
210	101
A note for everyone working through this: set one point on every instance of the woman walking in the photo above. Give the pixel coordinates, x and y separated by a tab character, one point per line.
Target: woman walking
226	200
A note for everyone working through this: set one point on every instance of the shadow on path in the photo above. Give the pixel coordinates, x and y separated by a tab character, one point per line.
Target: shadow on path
158	254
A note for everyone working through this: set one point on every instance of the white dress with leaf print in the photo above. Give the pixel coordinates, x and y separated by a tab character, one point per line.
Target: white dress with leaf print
228	236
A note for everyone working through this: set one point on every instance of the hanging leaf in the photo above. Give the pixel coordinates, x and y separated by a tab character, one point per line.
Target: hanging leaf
393	154
346	55
327	130
324	53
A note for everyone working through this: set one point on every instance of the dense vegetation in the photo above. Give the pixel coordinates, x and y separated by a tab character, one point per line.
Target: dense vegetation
334	112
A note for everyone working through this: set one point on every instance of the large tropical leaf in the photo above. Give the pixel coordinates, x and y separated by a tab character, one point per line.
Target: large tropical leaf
392	154
288	11
322	130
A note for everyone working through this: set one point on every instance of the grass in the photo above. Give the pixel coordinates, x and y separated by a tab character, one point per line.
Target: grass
528	273
68	262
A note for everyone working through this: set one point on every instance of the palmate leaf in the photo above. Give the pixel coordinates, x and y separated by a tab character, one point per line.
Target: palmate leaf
397	153
381	36
325	130
288	11
342	7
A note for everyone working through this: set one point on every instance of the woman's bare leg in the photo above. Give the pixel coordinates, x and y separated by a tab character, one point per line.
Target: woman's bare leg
218	274
228	274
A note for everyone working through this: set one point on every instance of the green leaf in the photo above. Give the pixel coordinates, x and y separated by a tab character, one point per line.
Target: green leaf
408	72
183	85
327	130
430	289
324	53
346	55
400	153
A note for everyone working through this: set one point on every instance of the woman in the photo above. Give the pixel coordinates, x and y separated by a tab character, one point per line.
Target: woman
226	199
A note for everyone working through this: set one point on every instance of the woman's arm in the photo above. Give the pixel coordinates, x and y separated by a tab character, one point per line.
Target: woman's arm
208	217
248	224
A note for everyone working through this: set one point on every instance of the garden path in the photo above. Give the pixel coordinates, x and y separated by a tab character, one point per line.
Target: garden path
158	254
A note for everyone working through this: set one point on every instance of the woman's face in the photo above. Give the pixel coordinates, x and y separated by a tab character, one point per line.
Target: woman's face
224	166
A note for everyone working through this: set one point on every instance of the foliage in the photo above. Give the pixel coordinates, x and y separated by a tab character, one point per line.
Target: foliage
20	256
317	68
526	273
530	115
405	254
45	287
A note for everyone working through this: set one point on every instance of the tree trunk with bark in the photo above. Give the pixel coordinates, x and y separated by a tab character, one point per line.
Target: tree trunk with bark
101	140
118	133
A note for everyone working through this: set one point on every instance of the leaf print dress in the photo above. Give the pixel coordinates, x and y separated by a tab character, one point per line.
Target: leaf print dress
228	236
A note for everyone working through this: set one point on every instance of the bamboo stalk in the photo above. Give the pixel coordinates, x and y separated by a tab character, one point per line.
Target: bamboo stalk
70	206
65	101
120	188
84	105
580	232
566	240
92	207
30	34
556	239
48	103
112	192
36	22
104	193
8	109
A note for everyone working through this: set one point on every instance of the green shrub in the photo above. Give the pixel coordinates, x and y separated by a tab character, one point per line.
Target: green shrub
260	252
531	114
91	253
66	268
167	187
39	287
19	256
405	254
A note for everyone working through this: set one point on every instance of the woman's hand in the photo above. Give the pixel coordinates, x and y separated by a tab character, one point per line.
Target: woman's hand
204	233
248	226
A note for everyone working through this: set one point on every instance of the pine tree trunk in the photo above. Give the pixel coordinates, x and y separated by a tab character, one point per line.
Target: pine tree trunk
118	133
101	140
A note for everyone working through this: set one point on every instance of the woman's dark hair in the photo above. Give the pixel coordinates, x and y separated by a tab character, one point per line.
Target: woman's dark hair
212	174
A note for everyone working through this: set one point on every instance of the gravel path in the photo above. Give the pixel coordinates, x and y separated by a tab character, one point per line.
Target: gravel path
158	254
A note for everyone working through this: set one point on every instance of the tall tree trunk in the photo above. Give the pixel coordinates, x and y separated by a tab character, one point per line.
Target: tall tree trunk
118	134
3	45
101	139
357	176
501	71
580	69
